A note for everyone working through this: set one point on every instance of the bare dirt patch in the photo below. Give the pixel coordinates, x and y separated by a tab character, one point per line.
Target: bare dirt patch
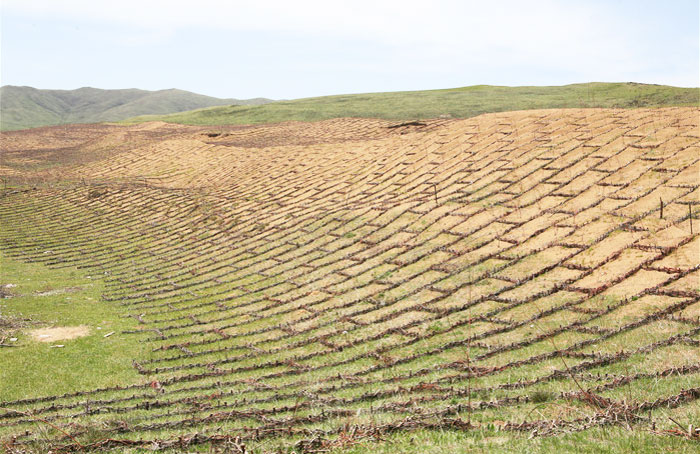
59	333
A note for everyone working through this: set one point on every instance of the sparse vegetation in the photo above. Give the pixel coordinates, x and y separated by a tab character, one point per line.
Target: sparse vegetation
296	287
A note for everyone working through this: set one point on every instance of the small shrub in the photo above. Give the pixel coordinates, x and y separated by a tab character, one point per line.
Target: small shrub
436	327
540	396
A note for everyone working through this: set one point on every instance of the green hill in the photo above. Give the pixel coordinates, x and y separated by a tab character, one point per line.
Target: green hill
458	102
27	107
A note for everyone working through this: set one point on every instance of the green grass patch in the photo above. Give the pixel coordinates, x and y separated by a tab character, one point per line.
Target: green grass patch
599	441
62	297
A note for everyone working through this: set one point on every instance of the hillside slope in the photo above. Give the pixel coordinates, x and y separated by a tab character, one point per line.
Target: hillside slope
308	286
27	107
457	103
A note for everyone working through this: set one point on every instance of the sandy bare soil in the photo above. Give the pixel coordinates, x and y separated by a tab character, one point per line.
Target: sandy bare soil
59	333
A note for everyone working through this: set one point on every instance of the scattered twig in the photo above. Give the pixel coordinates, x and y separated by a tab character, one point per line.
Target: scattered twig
37	419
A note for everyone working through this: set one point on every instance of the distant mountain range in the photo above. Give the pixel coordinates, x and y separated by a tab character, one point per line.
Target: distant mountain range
28	107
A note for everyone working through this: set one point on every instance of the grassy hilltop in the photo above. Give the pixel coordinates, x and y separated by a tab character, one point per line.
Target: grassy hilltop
462	102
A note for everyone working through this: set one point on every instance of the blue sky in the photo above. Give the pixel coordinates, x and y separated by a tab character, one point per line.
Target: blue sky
294	49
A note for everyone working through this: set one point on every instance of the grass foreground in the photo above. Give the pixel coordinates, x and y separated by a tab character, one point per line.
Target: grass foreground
606	440
611	440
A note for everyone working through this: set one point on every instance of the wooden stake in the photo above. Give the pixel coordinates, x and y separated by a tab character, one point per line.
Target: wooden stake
690	218
661	203
469	385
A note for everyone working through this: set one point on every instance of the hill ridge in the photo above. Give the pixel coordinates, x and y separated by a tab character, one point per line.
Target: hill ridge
462	102
24	107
